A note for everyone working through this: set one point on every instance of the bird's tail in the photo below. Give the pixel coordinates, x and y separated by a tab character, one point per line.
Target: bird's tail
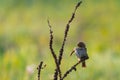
83	64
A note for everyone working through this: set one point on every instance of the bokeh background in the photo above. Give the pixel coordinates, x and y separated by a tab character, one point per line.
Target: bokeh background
24	38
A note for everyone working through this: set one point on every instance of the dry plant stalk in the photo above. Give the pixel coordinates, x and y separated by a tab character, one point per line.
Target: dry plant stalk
59	59
57	70
66	32
39	69
70	70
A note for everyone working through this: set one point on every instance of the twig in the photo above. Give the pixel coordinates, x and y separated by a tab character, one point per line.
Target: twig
57	70
70	70
66	32
39	69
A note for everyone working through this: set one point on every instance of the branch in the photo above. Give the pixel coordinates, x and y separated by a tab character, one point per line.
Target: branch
39	69
53	54
66	32
70	70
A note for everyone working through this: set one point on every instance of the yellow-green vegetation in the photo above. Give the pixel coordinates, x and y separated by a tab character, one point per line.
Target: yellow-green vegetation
24	38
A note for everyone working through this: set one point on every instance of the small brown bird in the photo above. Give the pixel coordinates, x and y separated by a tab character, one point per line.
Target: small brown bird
81	53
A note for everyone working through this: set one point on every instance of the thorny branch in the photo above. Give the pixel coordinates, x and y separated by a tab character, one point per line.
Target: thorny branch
57	70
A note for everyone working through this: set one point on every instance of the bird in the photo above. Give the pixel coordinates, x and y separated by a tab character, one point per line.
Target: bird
81	53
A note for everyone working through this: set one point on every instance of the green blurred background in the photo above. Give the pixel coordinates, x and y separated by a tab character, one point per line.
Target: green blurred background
24	38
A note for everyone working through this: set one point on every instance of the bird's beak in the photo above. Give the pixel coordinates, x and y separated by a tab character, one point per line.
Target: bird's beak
71	53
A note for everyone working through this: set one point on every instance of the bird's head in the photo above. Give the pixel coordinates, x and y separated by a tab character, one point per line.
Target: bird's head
81	44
